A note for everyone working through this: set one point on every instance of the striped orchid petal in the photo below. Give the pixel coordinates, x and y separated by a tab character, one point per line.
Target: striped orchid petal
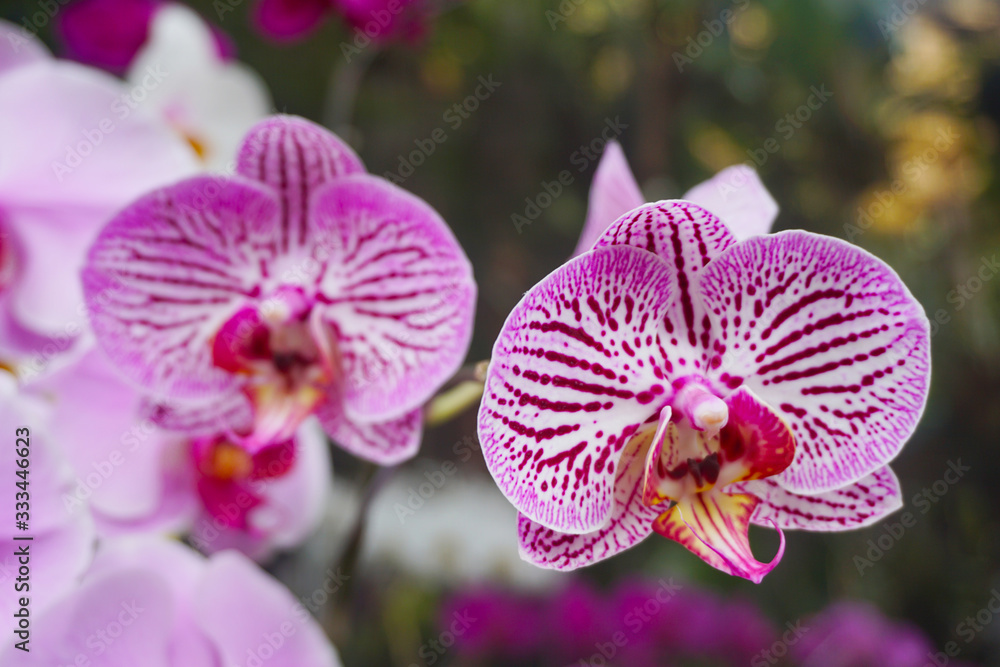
575	372
715	526
164	275
613	193
854	506
397	292
828	335
383	442
686	237
295	158
631	520
737	195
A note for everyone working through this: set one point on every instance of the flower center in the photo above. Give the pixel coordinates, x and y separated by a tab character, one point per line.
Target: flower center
288	356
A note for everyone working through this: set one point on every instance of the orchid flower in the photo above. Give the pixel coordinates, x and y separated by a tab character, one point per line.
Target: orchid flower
150	601
134	476
212	101
381	20
62	539
105	33
303	282
73	153
675	379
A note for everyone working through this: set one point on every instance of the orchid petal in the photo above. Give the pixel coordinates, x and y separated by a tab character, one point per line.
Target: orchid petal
295	157
232	586
857	505
737	195
613	193
715	527
290	19
68	163
574	374
827	334
397	291
161	278
686	237
230	412
136	596
18	47
385	443
631	521
211	102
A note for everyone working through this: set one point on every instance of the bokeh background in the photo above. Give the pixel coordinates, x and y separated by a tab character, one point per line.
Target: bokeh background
901	159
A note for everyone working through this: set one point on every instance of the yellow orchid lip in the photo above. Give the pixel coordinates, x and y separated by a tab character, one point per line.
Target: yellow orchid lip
689	467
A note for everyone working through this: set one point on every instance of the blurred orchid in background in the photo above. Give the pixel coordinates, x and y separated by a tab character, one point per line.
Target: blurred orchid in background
378	20
303	283
106	33
210	99
63	537
135	476
150	601
664	355
76	149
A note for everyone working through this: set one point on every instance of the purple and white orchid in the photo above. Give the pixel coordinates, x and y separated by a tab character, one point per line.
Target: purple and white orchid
685	378
302	282
74	152
152	601
136	477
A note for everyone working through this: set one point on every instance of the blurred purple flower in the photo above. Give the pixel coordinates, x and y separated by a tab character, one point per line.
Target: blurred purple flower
302	285
74	152
105	33
639	623
136	477
109	33
856	634
378	20
154	602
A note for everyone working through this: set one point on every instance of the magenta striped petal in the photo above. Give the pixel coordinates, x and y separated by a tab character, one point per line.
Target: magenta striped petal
828	335
613	193
854	506
397	292
385	443
295	157
574	372
631	520
162	277
687	238
230	412
738	197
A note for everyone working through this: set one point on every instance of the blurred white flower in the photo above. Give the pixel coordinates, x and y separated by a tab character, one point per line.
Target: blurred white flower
210	100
